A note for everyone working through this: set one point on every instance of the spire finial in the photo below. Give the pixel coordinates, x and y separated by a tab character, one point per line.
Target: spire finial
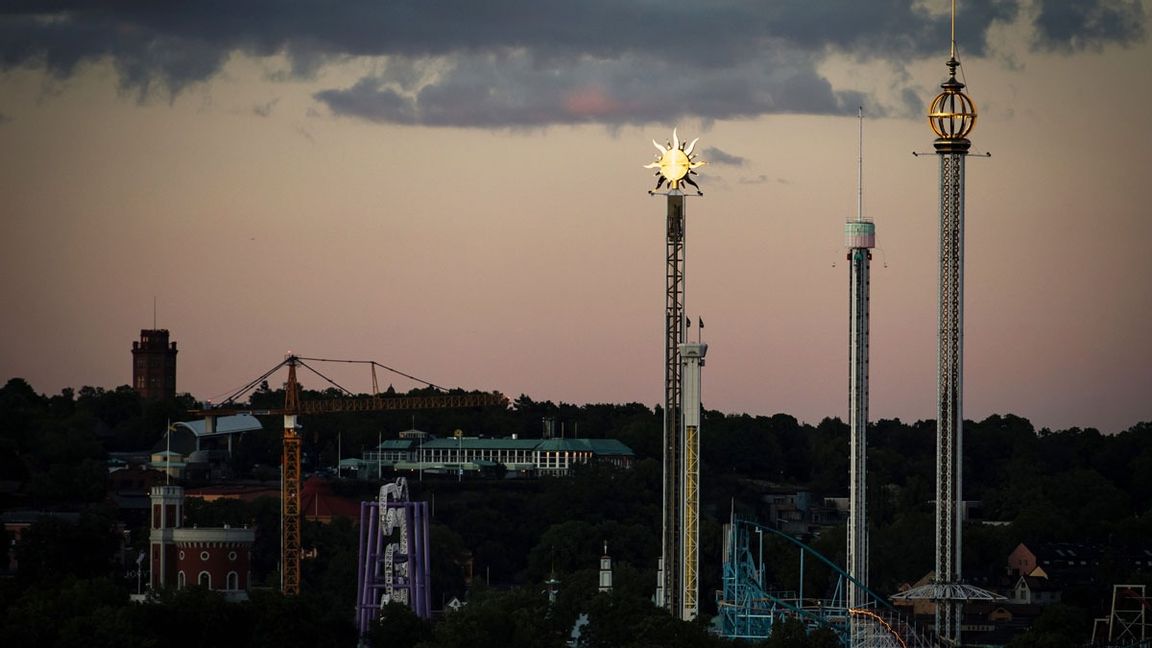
953	41
952	113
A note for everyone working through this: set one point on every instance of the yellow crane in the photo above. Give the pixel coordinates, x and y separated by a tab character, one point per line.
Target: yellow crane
290	460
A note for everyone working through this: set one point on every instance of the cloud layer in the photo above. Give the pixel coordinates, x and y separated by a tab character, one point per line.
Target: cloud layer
506	63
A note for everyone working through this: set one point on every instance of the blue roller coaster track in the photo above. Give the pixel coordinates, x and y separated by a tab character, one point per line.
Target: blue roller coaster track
750	603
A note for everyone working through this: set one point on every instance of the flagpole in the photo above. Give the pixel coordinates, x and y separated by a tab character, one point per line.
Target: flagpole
168	454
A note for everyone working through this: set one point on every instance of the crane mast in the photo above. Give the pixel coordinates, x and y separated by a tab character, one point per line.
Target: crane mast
290	488
294	406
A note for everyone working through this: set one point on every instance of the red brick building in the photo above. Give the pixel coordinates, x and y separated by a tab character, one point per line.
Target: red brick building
216	558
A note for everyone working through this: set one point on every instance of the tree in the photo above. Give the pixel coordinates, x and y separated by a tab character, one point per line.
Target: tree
54	548
1058	626
515	619
398	627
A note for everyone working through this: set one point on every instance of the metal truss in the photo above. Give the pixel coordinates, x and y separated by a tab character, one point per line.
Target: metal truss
749	605
673	434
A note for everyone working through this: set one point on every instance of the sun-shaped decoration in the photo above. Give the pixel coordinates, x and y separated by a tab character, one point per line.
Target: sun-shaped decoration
675	163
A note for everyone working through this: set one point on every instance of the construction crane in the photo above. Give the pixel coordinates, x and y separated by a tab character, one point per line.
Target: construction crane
294	406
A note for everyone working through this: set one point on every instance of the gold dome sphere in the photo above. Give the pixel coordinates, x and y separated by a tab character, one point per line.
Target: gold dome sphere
952	114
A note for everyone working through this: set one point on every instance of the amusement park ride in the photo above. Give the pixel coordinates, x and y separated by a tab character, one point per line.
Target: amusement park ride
294	406
749	604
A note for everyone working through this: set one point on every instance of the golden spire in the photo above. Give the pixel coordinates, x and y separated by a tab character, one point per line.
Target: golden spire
952	113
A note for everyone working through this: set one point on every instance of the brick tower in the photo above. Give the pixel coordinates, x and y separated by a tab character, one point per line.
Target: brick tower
154	365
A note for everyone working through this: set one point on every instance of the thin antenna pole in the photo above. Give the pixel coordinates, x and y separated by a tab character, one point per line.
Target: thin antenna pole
168	455
860	168
953	28
153	312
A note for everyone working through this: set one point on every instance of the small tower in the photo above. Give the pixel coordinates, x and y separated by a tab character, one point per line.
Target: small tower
167	516
693	358
553	585
154	365
605	570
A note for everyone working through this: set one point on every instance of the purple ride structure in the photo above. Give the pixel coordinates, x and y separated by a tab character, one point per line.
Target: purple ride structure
394	561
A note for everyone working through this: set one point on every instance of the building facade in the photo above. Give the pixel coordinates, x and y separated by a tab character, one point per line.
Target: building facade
216	558
543	457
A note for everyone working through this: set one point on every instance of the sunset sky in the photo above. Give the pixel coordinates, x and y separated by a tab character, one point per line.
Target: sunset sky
456	189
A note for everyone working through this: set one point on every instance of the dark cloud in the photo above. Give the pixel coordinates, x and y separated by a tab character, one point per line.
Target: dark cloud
1088	24
515	89
514	63
714	155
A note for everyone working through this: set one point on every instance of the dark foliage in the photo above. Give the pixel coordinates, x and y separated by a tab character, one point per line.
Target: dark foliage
495	542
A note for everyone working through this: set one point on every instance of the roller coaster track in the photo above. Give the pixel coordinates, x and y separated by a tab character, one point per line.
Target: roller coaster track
749	606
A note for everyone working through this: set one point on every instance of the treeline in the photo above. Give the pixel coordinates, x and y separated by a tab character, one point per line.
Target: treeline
497	542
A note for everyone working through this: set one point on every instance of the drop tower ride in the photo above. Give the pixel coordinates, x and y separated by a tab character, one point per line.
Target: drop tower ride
951	116
675	164
860	238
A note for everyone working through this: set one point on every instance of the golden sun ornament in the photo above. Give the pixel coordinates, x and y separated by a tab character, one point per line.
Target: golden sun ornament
675	163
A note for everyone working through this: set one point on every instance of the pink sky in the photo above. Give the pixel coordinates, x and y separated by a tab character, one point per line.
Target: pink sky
528	258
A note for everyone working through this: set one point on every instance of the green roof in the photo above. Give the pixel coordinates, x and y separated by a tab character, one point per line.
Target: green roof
397	444
595	446
473	443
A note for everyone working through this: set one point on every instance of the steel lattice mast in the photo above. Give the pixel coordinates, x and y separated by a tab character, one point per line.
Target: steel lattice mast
674	164
860	238
290	487
673	438
951	116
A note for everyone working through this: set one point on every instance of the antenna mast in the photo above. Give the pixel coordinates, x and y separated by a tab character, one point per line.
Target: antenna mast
860	168
953	39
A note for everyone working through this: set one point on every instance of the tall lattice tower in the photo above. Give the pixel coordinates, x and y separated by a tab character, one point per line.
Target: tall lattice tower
675	164
860	238
951	116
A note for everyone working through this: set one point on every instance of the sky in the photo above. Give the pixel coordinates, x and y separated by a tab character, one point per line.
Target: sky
456	189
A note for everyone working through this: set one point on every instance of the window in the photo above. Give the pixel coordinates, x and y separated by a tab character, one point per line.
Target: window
180	580
233	581
231	555
204	556
205	579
